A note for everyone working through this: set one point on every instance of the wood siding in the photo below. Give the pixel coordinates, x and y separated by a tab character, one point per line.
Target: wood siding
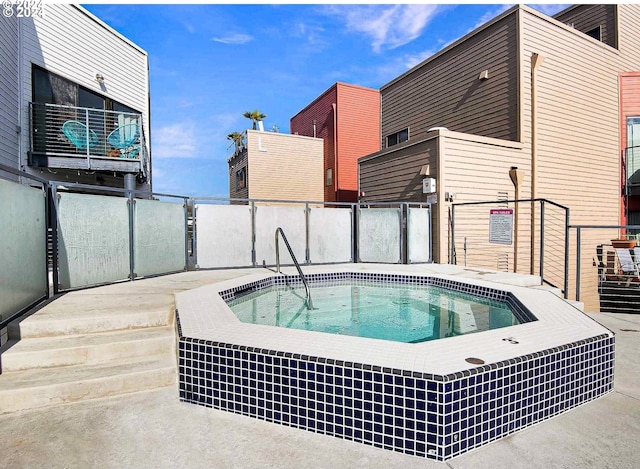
236	163
578	125
9	92
284	166
357	118
72	43
446	90
477	169
587	17
321	111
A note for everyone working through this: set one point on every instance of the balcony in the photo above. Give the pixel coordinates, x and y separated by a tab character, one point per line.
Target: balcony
69	137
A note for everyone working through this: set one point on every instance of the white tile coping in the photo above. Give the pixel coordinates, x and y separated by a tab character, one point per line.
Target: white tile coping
205	315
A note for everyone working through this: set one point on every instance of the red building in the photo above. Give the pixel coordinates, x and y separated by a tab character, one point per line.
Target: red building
347	118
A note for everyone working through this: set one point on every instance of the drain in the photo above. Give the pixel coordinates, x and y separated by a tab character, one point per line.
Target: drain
474	361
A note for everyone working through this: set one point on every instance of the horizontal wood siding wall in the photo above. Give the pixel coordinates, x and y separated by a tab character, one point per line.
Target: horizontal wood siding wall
445	91
395	176
283	166
587	17
476	169
9	92
358	134
68	41
578	122
629	36
320	111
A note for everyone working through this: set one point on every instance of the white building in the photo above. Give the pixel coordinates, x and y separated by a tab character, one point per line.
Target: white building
65	72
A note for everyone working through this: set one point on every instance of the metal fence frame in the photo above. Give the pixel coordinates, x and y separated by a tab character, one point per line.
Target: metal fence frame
578	229
542	202
355	208
52	189
130	195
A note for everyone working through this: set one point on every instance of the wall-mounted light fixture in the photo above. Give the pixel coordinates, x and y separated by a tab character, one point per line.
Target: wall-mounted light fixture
99	78
484	75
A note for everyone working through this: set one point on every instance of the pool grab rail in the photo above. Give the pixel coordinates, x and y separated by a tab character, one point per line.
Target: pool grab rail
295	261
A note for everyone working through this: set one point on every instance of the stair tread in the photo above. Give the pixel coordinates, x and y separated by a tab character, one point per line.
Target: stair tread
32	378
37	344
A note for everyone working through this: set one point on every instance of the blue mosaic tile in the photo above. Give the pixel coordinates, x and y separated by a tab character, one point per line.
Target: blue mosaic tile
431	416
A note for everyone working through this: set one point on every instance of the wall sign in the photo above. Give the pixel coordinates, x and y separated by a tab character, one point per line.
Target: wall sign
501	226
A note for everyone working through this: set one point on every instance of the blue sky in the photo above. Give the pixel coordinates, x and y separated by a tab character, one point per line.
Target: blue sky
211	63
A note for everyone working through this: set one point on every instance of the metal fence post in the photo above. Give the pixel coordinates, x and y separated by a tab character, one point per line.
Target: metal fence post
194	234
186	232
566	254
541	242
578	236
353	232
253	233
54	238
307	214
131	204
404	228
452	253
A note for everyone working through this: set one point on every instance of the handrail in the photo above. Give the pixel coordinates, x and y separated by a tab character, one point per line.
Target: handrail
295	261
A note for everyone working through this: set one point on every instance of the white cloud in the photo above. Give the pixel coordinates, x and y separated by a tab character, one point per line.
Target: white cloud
388	27
175	141
234	39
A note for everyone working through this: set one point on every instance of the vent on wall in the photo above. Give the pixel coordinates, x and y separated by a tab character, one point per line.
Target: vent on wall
503	197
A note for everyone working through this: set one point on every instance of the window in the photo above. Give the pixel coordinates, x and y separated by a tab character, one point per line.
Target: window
398	137
633	150
50	88
241	179
595	33
329	177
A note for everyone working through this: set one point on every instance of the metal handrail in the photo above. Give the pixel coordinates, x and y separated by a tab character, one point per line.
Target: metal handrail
295	261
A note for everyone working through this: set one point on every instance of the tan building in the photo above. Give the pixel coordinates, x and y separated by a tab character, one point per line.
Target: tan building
277	166
523	90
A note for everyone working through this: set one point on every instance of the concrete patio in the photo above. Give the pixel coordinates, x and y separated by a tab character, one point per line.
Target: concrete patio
153	429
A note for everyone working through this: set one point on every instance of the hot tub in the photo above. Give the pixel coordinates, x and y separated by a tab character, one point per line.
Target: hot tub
435	399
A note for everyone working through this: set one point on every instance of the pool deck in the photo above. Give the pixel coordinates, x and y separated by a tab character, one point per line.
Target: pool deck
153	429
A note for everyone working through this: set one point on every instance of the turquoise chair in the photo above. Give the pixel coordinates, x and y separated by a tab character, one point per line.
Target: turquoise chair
76	133
125	138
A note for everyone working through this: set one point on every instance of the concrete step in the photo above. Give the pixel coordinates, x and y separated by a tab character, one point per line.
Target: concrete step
49	325
47	352
30	389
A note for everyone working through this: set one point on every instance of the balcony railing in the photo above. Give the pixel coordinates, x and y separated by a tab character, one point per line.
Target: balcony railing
82	138
632	166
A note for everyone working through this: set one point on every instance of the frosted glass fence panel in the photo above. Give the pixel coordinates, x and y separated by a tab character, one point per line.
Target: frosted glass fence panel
93	239
23	257
223	236
159	237
330	235
292	222
379	235
418	235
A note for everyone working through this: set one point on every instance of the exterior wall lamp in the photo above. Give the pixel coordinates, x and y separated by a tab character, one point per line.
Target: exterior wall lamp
99	78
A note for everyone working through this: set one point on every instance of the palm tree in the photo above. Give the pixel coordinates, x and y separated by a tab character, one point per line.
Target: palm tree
238	140
255	116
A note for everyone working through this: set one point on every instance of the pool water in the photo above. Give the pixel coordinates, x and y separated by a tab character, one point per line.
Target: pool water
398	312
